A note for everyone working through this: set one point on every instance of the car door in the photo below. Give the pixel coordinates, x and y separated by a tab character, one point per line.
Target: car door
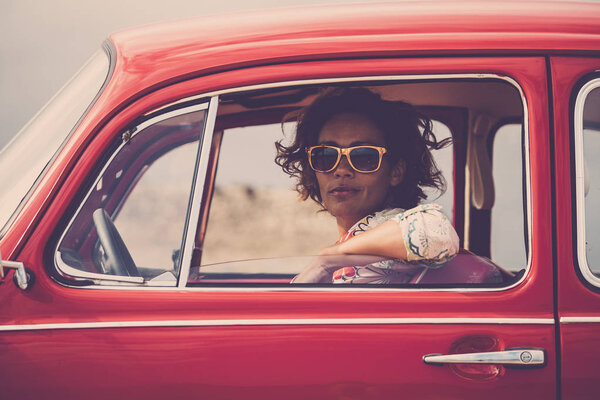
575	84
76	334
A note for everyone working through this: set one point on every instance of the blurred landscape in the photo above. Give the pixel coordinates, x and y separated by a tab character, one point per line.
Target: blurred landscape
244	223
247	223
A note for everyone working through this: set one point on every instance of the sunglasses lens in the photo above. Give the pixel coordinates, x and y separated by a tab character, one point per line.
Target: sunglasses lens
365	159
323	158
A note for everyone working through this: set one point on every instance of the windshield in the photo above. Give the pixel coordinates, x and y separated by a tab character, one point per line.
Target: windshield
25	158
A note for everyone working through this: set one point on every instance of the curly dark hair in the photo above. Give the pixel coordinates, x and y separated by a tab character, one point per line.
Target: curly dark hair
408	135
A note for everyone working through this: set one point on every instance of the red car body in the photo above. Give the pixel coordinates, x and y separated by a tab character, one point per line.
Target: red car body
64	341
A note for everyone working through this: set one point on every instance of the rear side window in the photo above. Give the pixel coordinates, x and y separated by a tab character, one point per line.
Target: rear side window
587	143
508	173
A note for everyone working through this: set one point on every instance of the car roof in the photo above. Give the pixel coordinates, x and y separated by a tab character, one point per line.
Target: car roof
163	52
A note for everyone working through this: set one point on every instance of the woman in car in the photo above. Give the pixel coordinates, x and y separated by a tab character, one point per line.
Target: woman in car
366	161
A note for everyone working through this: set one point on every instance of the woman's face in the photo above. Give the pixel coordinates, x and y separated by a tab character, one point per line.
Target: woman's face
347	194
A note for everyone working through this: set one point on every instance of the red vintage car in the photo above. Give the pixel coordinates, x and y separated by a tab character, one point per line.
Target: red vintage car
149	239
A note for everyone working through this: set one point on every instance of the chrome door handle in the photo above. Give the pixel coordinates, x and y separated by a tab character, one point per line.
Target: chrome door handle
516	357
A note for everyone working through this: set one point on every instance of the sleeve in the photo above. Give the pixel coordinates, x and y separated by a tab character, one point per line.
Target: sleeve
428	235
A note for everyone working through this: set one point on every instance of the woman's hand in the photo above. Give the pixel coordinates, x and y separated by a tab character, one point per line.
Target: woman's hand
380	243
322	267
331	251
319	270
315	272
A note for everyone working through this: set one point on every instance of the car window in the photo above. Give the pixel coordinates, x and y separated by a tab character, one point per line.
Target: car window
507	214
137	223
591	139
255	211
587	142
161	195
132	221
444	159
257	229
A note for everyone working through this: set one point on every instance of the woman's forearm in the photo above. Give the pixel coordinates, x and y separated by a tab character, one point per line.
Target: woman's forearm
385	240
422	234
430	238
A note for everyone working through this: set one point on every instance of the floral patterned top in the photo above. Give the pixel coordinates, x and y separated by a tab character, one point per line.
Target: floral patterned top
429	237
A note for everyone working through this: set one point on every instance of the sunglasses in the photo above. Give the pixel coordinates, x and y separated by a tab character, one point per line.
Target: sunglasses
363	159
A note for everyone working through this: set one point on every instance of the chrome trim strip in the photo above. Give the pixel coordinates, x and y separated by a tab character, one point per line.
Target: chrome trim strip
64	269
570	320
527	180
364	79
294	288
198	185
585	269
170	114
283	321
75	273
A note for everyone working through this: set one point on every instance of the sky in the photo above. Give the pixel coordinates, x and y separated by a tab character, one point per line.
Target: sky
45	42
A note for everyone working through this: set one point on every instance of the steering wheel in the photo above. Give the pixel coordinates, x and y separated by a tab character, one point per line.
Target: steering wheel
116	260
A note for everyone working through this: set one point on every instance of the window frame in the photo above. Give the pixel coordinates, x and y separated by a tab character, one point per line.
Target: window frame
202	188
207	153
73	276
579	179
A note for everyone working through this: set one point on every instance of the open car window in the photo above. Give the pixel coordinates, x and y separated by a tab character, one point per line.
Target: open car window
257	230
255	211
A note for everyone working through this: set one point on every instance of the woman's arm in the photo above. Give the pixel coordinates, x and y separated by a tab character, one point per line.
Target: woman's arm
420	234
322	267
385	240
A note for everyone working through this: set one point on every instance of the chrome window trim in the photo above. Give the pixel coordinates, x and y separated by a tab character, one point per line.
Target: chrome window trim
278	322
584	267
78	274
588	319
198	189
361	79
295	288
69	272
365	80
169	114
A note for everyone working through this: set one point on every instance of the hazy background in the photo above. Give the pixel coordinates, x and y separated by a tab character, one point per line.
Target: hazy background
45	42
